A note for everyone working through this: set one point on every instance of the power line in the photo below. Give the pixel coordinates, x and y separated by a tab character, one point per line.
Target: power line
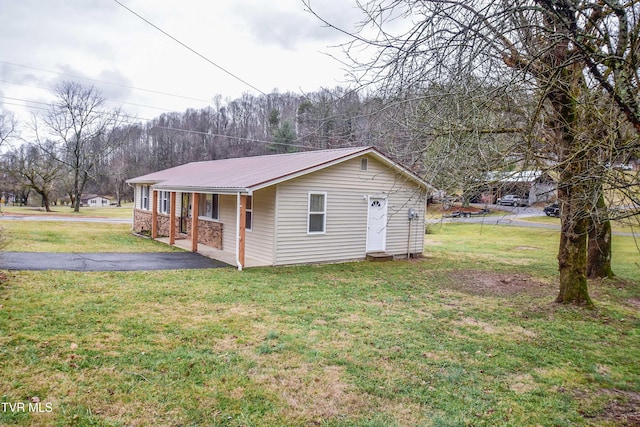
192	50
31	107
110	100
105	82
48	107
23	100
262	141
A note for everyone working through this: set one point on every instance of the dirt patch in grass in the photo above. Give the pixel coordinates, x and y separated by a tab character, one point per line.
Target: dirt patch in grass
309	392
623	409
488	283
634	302
526	248
489	329
315	395
522	384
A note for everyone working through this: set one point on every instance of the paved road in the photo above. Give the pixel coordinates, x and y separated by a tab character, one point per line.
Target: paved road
106	261
514	216
6	217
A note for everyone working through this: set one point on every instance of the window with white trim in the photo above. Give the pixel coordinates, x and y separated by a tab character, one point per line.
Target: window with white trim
317	213
209	206
248	222
144	201
164	202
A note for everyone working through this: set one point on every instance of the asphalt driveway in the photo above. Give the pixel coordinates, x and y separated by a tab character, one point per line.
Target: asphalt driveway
110	261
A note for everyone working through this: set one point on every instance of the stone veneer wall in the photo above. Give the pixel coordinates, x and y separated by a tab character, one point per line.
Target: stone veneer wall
142	221
209	232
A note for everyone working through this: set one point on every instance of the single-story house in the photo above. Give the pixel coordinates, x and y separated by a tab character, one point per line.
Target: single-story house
533	185
94	200
298	208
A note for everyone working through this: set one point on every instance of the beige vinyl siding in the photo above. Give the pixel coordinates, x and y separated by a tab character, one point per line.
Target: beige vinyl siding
398	239
347	188
259	243
228	214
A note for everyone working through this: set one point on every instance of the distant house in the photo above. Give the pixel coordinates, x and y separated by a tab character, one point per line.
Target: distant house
533	185
308	207
93	200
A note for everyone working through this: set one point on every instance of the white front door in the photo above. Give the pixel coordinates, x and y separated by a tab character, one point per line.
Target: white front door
377	224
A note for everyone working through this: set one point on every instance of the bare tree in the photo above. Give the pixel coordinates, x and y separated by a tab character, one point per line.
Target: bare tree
38	169
83	132
8	127
555	50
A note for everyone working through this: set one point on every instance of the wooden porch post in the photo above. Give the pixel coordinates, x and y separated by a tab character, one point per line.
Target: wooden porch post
242	220
195	202
172	219
154	216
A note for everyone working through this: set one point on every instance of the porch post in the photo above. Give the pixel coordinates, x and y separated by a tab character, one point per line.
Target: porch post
241	230
195	210
172	219
154	216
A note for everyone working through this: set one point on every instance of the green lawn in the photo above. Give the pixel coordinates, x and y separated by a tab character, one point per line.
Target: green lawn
123	212
59	236
466	336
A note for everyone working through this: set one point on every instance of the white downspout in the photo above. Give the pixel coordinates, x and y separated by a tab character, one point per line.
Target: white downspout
409	240
238	232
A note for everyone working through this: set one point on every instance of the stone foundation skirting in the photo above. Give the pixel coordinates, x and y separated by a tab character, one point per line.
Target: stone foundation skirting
209	232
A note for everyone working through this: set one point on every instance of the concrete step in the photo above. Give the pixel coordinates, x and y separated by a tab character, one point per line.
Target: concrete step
379	256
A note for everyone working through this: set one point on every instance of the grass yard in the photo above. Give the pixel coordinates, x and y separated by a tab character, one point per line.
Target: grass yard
58	236
466	336
123	212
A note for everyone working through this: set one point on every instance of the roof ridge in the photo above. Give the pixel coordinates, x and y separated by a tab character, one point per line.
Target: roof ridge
324	150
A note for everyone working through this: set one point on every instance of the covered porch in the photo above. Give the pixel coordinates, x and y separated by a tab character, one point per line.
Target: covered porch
189	212
225	256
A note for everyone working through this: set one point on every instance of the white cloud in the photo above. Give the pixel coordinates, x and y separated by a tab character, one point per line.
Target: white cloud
268	44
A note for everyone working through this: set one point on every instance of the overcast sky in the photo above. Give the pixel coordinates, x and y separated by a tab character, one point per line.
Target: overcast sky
269	44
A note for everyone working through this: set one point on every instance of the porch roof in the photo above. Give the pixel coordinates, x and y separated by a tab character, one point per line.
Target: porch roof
246	174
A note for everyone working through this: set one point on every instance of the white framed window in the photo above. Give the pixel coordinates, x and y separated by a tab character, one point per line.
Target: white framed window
144	201
215	206
209	206
364	164
164	202
248	221
317	213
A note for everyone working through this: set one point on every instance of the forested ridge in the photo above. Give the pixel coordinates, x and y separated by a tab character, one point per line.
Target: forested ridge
268	124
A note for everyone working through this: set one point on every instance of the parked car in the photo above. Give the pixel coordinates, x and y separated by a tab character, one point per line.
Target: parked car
622	167
552	210
511	200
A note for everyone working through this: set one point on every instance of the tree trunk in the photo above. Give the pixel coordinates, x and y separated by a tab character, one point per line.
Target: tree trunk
574	190
80	183
46	202
118	193
574	227
77	193
572	261
599	246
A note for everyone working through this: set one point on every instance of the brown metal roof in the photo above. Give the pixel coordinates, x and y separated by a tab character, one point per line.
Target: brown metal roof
251	173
